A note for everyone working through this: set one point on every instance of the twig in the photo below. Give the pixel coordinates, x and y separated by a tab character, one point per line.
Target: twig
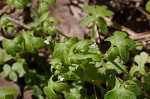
144	12
19	23
119	27
141	36
137	6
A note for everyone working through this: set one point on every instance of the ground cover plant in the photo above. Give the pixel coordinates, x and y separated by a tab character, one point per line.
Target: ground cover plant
112	67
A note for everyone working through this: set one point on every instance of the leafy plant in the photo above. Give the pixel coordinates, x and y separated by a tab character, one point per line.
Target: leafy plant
75	63
7	92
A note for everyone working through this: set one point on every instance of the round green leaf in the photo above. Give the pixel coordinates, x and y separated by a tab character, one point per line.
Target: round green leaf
43	8
13	76
18	5
49	92
59	87
6	70
148	6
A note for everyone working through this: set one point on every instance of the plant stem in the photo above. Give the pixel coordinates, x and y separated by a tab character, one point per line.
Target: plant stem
95	92
62	34
93	30
121	69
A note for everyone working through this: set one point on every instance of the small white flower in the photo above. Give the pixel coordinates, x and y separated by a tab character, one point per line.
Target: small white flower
60	78
46	41
94	45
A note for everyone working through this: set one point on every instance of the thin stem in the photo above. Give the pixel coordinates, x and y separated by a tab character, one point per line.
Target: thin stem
19	23
93	30
62	34
95	92
121	69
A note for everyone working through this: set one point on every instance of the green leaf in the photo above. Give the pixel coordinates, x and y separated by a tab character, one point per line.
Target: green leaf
51	30
102	25
43	8
103	11
89	9
82	46
133	70
112	53
53	19
18	67
13	76
59	87
31	43
123	43
90	69
119	92
10	30
3	20
18	5
50	1
49	92
6	70
9	2
45	25
4	91
80	58
87	20
98	11
110	66
71	41
44	17
77	92
141	60
134	88
24	2
12	46
111	95
148	6
61	52
124	53
4	57
111	81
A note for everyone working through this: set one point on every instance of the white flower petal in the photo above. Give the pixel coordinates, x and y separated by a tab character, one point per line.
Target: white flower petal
46	41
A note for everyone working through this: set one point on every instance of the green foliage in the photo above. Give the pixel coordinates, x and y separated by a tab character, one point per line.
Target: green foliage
7	25
12	71
121	91
141	60
75	62
77	92
54	86
19	4
7	92
96	15
121	44
12	46
4	57
30	42
50	1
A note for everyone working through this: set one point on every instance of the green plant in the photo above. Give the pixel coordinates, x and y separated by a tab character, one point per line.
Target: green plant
96	15
7	92
75	62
